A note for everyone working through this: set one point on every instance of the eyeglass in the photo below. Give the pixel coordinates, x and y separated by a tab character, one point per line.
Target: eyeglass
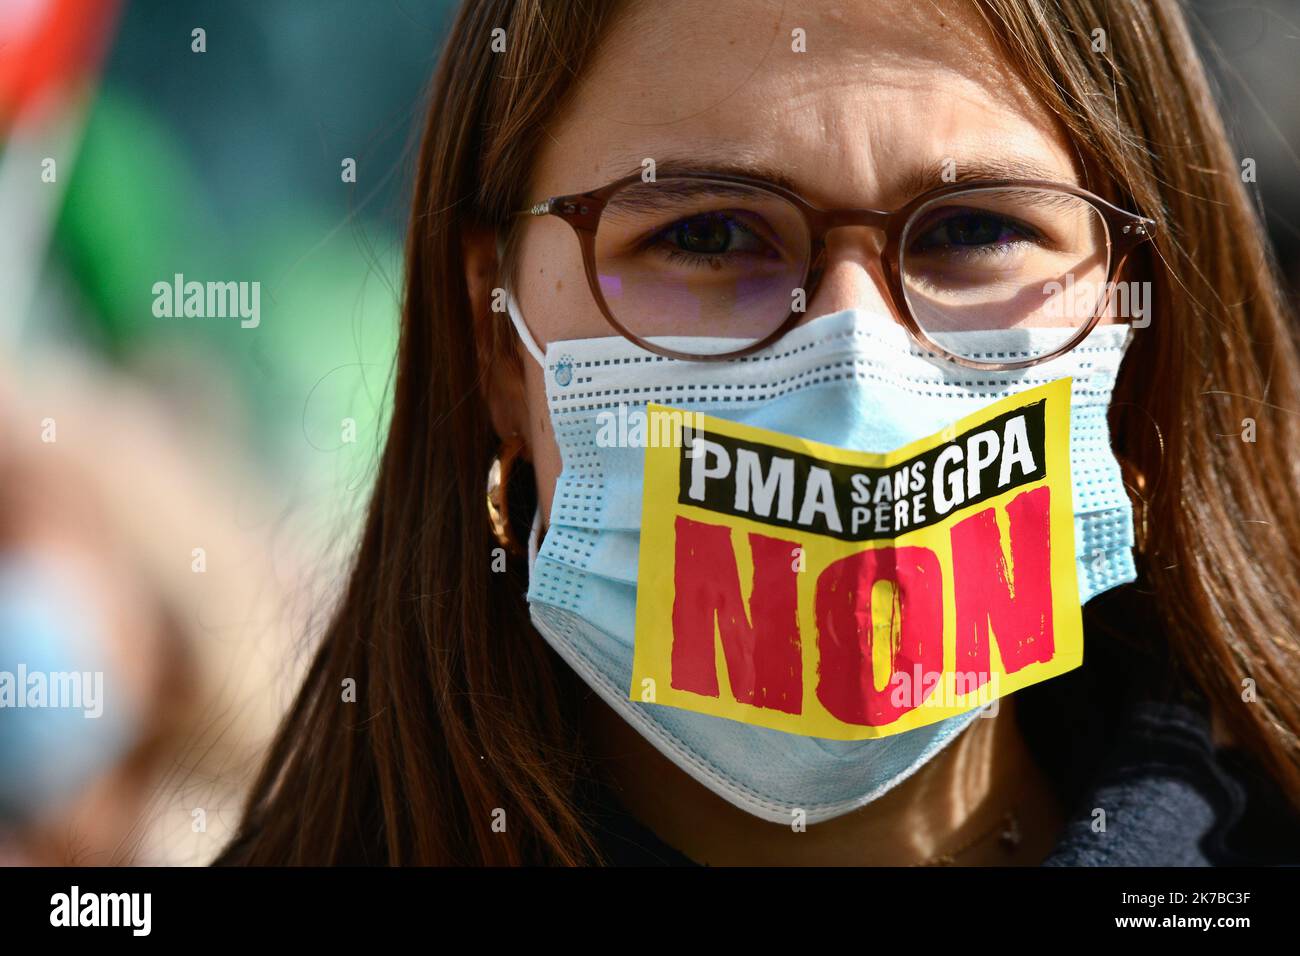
705	266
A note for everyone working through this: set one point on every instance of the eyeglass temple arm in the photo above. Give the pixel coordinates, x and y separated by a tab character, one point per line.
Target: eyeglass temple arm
1140	226
542	208
1135	230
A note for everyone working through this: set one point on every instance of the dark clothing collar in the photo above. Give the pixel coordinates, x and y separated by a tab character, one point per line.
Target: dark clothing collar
1128	747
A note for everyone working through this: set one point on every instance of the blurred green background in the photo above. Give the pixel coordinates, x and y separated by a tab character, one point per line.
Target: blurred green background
227	165
208	477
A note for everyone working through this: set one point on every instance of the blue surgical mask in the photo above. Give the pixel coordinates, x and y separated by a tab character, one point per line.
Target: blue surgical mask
62	719
853	379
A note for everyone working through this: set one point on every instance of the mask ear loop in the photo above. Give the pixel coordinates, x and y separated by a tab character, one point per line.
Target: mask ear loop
534	539
517	320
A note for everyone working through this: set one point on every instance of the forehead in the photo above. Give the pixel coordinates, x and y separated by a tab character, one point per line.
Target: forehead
882	91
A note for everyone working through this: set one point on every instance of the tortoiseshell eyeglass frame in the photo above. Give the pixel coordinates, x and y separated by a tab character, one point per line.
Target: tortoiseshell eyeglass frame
582	211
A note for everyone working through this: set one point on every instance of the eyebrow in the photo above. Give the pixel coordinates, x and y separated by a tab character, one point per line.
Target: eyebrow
707	159
924	179
909	185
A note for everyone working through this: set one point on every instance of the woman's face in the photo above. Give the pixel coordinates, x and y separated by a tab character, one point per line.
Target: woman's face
886	92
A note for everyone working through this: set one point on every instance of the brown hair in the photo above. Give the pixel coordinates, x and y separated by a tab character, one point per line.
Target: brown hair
461	708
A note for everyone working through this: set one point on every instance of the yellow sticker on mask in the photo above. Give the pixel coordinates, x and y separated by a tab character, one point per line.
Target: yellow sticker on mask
848	595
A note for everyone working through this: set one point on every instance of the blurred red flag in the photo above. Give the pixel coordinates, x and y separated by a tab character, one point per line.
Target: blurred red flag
48	50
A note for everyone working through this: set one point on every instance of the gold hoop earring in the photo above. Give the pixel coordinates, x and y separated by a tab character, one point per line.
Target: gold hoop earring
1136	483
498	482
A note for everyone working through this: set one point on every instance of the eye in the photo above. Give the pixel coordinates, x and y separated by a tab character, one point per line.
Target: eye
706	237
965	231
